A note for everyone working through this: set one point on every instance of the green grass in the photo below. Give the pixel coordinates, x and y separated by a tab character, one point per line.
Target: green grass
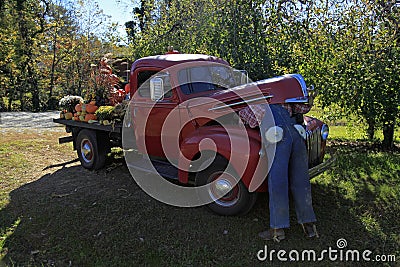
347	129
52	214
367	182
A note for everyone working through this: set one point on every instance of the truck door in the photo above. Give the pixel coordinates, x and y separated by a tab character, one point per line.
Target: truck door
149	115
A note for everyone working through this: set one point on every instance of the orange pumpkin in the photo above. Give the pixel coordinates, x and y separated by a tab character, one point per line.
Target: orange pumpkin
89	117
93	103
68	115
78	107
91	108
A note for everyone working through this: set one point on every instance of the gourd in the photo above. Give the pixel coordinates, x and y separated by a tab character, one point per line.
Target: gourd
68	115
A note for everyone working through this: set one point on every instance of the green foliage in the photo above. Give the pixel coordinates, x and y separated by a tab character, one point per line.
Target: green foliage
112	113
69	102
105	113
350	52
46	50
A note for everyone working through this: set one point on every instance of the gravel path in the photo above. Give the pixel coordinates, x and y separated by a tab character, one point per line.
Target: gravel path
30	120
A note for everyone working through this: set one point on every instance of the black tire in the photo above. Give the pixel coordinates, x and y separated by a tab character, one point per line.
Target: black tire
91	153
237	201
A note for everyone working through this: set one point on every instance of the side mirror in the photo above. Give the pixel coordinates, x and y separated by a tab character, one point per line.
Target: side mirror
244	79
156	89
241	77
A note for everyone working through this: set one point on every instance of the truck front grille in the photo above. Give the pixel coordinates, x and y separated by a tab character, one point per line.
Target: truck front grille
314	144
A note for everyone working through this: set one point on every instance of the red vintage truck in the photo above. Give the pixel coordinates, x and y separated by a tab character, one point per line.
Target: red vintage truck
183	118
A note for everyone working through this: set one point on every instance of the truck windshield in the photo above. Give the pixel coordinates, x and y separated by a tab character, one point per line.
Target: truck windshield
206	78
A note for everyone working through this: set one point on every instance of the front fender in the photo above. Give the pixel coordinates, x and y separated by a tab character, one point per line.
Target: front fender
245	158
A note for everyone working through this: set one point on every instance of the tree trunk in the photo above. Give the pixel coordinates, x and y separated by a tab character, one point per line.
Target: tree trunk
9	103
33	84
50	103
21	98
388	136
371	130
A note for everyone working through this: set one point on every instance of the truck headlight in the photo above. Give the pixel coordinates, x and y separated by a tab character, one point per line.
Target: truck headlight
324	132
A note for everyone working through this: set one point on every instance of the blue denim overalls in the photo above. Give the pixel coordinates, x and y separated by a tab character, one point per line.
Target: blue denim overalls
289	167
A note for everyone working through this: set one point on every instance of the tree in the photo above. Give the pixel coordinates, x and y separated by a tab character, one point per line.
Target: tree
31	25
349	50
8	68
59	37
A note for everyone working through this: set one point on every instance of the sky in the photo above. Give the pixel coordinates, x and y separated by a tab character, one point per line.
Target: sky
120	11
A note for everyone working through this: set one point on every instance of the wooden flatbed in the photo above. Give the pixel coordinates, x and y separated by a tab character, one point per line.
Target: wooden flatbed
112	128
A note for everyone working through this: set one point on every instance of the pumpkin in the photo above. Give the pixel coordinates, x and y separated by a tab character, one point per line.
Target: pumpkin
93	103
78	107
89	117
68	115
91	108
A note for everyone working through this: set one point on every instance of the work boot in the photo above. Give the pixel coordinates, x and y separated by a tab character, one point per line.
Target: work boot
275	234
310	230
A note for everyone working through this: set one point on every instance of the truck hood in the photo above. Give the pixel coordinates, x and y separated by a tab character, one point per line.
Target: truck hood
289	88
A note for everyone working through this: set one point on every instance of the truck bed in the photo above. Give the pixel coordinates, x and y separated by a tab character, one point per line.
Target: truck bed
113	128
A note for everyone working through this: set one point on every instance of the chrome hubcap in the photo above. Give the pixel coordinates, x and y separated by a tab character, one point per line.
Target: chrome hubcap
222	187
86	151
223	190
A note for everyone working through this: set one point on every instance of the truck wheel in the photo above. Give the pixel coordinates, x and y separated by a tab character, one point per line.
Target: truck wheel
238	201
90	153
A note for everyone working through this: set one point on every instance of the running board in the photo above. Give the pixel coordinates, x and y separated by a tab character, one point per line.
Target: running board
165	169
